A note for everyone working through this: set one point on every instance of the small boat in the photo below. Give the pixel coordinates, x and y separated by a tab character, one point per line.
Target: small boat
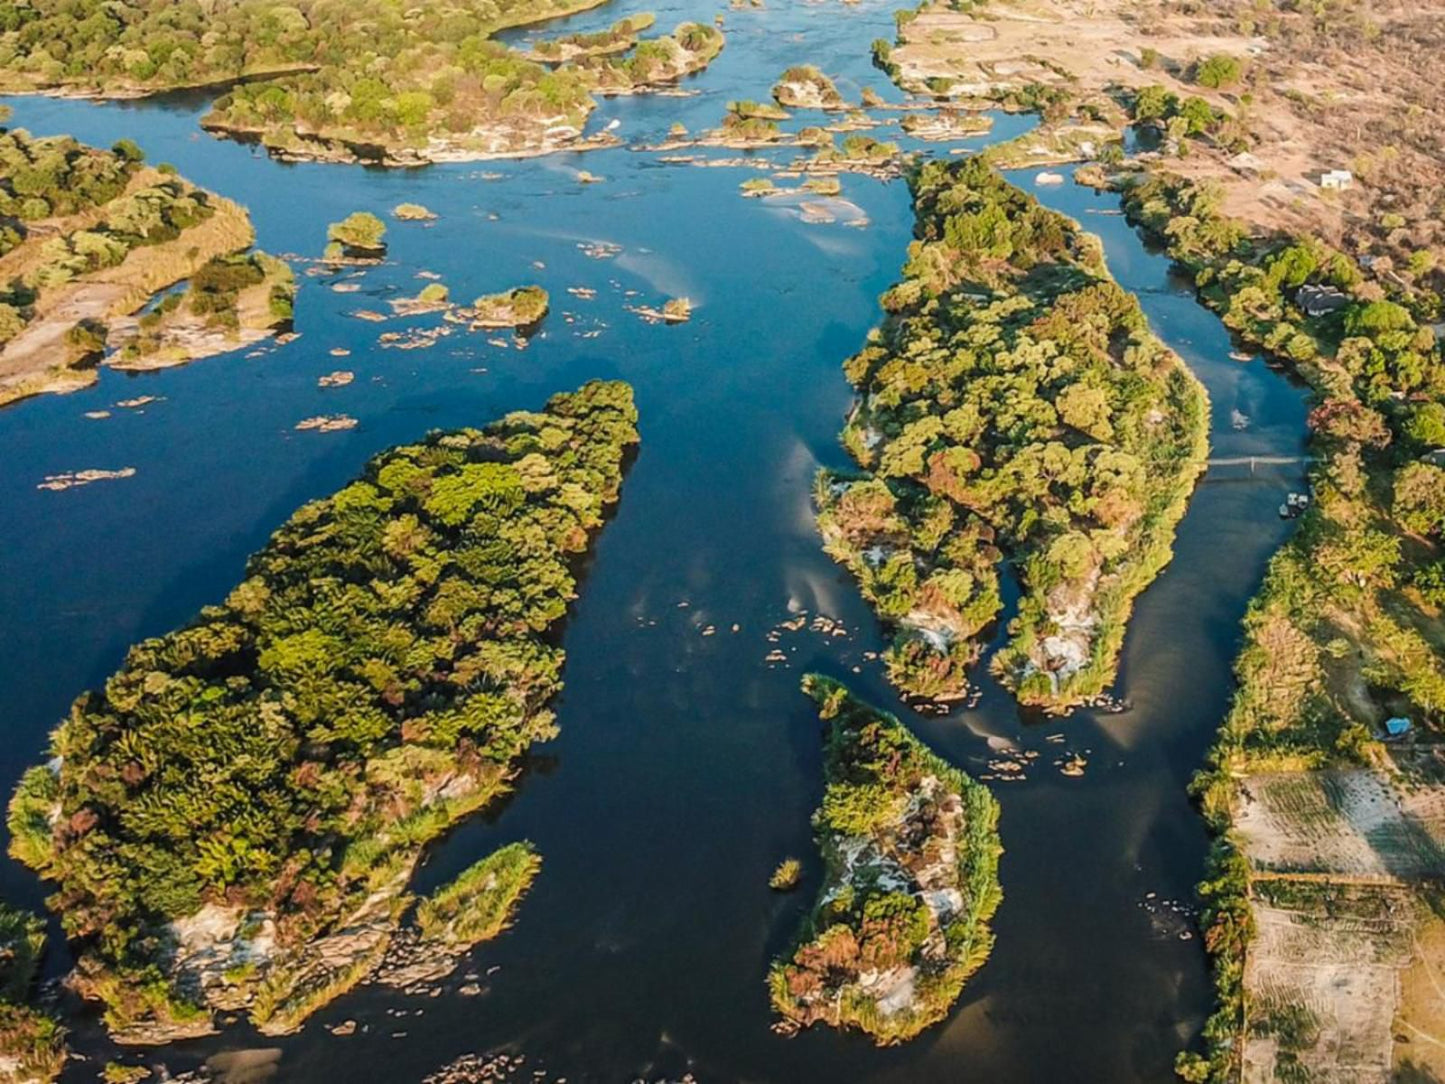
1294	505
1240	355
1049	178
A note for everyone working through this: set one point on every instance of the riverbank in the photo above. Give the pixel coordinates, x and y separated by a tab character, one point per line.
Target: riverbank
1309	131
444	95
1344	637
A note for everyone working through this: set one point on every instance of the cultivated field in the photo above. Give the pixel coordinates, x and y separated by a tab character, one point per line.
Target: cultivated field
1324	975
1354	823
1344	976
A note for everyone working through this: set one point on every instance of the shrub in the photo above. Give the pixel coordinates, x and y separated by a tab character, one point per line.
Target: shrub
786	876
359	231
1218	71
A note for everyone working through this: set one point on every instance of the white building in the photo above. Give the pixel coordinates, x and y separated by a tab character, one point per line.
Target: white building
1337	179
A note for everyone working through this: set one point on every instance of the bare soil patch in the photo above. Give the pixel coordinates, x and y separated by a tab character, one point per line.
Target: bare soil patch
1356	85
1354	823
1323	977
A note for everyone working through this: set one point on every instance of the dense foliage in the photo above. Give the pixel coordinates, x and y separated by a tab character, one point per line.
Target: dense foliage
479	902
1345	630
373	679
367	77
32	1045
43	178
1181	118
1013	402
911	847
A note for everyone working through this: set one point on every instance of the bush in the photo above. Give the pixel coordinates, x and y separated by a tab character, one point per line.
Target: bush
86	339
786	876
1219	71
360	232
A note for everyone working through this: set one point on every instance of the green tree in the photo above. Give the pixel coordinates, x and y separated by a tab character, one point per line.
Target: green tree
1426	424
360	231
1218	71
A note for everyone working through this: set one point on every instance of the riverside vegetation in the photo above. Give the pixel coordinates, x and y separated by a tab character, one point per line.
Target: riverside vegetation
1346	628
88	236
232	819
618	38
341	80
911	850
1014	402
32	1044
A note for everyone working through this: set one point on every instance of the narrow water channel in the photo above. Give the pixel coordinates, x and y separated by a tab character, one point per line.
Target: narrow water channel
687	765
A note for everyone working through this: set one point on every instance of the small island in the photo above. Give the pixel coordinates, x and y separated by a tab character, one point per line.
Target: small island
857	153
1014	402
433	297
946	124
655	62
413	212
479	902
358	236
229	302
232	820
911	848
618	38
742	129
748	109
806	87
520	307
89	237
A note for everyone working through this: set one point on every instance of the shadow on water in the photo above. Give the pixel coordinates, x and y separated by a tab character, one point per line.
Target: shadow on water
687	765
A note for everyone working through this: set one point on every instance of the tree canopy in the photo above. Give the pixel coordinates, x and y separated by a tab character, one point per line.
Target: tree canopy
371	680
1014	401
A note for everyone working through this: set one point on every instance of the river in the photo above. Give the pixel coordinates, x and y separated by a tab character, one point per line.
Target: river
687	765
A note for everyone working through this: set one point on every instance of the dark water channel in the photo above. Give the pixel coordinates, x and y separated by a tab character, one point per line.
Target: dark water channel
687	766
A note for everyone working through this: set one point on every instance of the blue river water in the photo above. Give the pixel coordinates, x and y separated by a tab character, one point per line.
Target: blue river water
688	765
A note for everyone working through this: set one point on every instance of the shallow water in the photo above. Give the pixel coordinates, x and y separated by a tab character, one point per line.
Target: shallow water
687	767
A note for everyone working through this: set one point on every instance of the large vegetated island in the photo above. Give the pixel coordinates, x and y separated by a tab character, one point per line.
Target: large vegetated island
232	819
1014	403
911	850
89	236
342	80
